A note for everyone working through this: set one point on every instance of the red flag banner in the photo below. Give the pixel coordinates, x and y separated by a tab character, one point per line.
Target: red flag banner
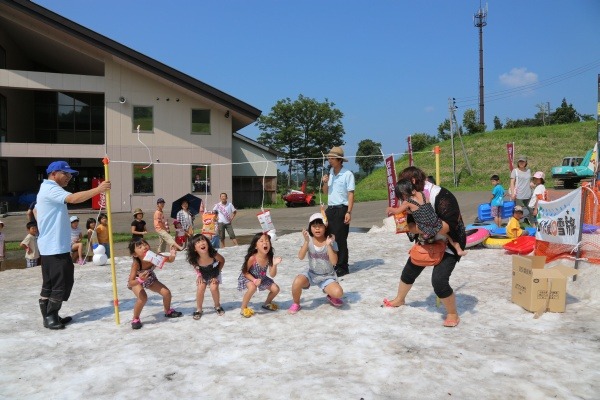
510	149
391	181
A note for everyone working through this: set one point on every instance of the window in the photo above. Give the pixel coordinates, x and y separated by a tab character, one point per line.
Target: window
201	122
142	116
201	178
143	179
2	58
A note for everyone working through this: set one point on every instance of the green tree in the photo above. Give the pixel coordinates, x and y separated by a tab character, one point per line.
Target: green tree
470	122
302	129
421	140
368	155
444	130
565	114
497	123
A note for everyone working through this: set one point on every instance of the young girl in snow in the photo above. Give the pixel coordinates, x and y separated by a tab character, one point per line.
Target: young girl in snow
322	257
539	193
102	232
425	217
180	234
258	260
208	265
142	277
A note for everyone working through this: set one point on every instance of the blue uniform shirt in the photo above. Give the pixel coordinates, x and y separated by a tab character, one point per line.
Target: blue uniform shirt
53	219
339	186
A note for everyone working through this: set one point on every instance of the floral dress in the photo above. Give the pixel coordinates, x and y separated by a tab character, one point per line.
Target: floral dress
257	271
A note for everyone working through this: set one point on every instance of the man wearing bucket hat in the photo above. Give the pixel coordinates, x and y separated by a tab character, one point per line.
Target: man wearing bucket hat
138	226
339	185
54	241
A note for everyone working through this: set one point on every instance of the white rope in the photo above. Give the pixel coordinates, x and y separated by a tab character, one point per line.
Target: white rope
144	144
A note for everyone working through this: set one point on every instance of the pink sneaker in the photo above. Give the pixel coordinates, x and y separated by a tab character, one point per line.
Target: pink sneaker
294	308
335	302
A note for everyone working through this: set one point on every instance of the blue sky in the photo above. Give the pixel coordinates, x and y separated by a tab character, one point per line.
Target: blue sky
389	66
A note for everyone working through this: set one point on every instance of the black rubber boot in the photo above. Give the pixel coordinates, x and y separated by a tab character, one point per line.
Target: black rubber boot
44	310
52	319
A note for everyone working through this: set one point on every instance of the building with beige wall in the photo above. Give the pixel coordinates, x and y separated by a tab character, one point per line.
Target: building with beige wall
69	93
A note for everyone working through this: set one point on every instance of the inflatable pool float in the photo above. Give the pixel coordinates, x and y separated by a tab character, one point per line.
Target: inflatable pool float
587	228
496	242
521	245
485	225
502	231
476	236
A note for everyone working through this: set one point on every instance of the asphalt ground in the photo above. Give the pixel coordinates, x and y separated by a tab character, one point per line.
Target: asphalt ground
364	216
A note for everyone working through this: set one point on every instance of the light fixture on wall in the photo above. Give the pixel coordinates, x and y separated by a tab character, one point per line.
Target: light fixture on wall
177	99
227	114
158	98
167	99
122	100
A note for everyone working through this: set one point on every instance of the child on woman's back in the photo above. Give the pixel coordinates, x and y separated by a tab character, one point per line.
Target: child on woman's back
142	277
257	262
322	257
427	221
208	265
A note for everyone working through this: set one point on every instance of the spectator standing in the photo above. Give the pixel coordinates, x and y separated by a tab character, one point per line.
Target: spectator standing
161	226
225	214
339	185
29	244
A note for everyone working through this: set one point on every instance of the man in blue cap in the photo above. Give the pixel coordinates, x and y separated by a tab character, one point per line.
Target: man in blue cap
54	241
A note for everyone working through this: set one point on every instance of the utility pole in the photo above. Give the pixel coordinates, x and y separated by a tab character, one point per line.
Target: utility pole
451	108
479	20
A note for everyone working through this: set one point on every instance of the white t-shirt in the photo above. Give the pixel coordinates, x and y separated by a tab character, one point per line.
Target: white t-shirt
539	193
522	179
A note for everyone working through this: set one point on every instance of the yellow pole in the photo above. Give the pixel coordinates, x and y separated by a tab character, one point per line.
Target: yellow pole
436	151
106	161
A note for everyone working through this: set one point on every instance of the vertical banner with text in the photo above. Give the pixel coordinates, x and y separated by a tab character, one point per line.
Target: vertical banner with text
559	220
510	149
391	181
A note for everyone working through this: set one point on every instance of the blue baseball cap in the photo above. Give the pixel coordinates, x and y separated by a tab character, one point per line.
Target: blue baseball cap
61	166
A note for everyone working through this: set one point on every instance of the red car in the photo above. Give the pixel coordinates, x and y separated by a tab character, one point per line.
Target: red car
295	198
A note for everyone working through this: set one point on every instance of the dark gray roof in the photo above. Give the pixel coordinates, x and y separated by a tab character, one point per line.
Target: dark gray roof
118	50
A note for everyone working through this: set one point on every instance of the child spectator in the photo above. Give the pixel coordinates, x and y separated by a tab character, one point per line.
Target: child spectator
258	261
497	200
32	253
92	237
142	277
208	265
180	233
138	226
102	232
513	228
76	236
322	257
539	193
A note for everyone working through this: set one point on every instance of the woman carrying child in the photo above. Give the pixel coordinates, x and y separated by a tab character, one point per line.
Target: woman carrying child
142	277
428	222
258	261
322	257
208	265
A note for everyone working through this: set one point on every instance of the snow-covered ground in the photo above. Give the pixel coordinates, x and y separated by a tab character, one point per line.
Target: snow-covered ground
499	351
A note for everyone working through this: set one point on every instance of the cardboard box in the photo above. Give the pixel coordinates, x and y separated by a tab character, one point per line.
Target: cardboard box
531	283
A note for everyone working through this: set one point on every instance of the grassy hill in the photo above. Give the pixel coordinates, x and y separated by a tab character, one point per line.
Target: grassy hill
544	147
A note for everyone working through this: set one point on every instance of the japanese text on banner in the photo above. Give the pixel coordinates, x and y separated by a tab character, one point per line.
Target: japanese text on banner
559	221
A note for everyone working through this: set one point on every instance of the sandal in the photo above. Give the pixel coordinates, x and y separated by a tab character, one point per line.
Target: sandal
270	307
247	312
197	315
387	303
219	311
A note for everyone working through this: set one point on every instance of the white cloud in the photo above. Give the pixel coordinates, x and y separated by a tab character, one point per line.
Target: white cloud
518	77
